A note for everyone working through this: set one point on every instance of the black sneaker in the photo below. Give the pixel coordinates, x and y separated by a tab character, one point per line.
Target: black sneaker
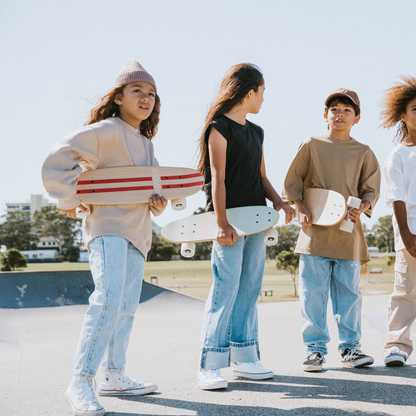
313	362
353	357
396	358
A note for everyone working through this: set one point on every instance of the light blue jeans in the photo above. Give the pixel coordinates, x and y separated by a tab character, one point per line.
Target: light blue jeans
317	277
117	269
229	331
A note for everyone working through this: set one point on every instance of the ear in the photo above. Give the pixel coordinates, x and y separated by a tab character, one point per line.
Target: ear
249	95
118	99
326	117
357	119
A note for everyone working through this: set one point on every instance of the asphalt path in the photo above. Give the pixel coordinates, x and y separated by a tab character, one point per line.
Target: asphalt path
37	348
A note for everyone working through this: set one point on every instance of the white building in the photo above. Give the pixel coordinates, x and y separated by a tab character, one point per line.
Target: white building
29	207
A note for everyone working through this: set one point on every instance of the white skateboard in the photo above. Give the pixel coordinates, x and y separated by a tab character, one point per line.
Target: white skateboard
329	208
203	227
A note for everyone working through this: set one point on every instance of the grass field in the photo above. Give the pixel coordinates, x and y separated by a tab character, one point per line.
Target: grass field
194	277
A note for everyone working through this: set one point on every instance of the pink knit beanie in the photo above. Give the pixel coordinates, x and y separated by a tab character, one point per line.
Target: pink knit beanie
131	72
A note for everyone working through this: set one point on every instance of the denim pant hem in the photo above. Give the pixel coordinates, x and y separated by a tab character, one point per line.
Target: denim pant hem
342	348
105	369
84	373
311	349
213	359
245	354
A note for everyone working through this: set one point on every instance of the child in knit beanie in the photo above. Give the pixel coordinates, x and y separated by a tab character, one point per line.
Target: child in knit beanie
118	133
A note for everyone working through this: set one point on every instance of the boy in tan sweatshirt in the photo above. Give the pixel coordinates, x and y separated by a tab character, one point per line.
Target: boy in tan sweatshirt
330	258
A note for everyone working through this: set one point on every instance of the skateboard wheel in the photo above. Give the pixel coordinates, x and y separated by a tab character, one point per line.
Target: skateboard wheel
271	237
81	214
188	249
354	202
178	204
347	226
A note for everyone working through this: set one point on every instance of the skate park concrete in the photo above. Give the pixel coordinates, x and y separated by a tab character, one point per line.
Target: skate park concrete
38	344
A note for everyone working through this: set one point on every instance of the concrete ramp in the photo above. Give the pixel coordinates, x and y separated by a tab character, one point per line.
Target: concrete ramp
46	289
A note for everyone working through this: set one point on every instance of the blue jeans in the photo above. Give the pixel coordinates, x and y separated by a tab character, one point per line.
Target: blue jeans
229	330
317	277
117	269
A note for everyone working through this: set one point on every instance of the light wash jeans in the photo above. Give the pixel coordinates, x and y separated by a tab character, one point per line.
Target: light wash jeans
117	269
317	277
229	330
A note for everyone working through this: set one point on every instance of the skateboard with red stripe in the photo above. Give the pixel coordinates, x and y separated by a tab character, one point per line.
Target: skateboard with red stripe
136	184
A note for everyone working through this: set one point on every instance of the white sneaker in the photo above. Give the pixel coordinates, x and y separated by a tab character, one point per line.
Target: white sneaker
211	380
116	383
80	395
253	371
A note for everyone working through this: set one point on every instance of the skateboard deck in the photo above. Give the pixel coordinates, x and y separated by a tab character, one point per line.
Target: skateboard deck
203	227
326	207
136	184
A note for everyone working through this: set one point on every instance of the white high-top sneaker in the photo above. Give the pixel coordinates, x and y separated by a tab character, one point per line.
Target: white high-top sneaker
116	383
80	395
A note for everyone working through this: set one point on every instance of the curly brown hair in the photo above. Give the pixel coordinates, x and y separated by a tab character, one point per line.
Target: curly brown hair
107	108
237	83
394	105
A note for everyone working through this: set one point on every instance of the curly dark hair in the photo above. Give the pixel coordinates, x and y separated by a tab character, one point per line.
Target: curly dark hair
239	80
107	108
394	105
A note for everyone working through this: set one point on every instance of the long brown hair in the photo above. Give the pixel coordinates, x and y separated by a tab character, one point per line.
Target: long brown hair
107	108
237	83
394	105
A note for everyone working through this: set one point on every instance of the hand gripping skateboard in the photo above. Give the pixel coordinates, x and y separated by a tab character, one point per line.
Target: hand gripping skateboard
328	207
203	227
136	184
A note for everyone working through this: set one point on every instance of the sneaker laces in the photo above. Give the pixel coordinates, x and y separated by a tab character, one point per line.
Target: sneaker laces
86	395
213	373
316	355
352	352
396	351
127	380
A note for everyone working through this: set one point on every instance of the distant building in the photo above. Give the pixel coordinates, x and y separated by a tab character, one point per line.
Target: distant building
47	243
29	207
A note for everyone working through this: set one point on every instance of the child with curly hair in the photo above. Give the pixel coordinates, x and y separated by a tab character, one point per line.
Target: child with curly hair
399	108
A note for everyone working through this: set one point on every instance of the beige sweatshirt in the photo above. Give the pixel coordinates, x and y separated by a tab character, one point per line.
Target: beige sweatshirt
109	143
347	167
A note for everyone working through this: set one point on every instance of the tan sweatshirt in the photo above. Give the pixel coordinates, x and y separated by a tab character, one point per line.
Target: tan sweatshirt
109	143
347	167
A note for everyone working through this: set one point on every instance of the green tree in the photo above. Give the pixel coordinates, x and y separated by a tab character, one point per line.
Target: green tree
15	232
161	249
369	236
71	253
12	259
384	234
48	221
288	236
289	261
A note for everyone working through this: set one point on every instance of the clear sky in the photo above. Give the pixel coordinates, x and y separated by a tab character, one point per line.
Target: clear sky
58	57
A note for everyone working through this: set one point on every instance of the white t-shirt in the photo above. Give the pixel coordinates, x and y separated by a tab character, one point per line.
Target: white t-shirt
400	185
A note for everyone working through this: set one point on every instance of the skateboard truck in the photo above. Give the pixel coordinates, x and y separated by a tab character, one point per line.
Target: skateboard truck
347	225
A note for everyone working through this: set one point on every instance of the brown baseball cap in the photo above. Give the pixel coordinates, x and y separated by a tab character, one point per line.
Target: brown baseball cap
344	92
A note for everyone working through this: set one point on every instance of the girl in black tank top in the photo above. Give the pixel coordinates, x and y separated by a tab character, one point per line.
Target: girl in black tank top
231	159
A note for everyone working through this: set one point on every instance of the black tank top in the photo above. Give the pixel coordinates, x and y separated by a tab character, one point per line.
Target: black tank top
243	183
